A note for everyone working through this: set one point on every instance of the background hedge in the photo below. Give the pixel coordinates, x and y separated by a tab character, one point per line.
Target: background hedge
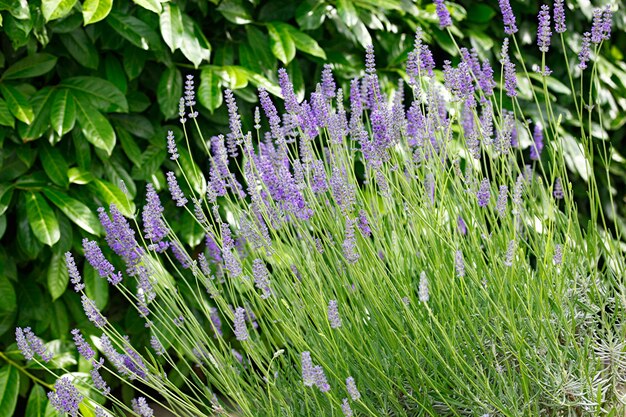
90	88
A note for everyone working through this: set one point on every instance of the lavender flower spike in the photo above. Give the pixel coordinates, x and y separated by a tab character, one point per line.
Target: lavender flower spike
30	345
352	389
83	347
333	315
484	194
73	272
141	407
177	194
92	312
97	260
543	29
65	397
559	16
537	146
585	51
308	375
443	14
508	17
345	408
241	332
171	146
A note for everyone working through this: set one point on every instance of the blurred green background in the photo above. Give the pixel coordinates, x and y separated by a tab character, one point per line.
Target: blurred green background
89	89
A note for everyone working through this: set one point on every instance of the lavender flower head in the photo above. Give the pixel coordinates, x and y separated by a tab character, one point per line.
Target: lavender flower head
585	51
333	315
92	312
543	29
141	407
65	398
308	376
423	288
508	17
241	331
459	264
328	83
558	189
352	389
83	347
261	278
537	146
345	408
154	227
443	14
73	272
483	194
171	146
370	62
97	260
30	345
177	194
559	16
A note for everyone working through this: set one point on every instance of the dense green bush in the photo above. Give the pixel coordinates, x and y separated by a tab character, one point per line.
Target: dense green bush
79	78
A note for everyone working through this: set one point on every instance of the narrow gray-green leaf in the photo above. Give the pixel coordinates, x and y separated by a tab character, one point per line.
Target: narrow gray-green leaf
96	10
75	210
96	128
18	104
9	388
58	276
54	164
168	92
42	220
62	112
209	92
36	406
281	43
31	66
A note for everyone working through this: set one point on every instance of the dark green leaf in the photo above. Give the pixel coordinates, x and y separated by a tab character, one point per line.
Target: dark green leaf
152	5
259	44
96	128
111	194
115	73
169	91
62	112
347	12
27	243
8	305
41	103
18	8
6	192
96	10
6	118
42	219
3	225
58	276
135	31
76	211
136	125
134	61
18	104
56	9
480	13
192	171
295	75
100	93
171	24
54	164
190	44
61	323
96	287
81	48
31	66
37	400
281	43
151	160
78	176
209	92
9	388
191	232
138	102
130	147
236	11
310	14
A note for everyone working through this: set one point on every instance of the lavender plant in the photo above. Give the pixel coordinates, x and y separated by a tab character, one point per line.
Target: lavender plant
410	255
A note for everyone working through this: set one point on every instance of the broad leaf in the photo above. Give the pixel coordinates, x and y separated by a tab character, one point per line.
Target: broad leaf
81	48
31	66
135	31
259	44
96	287
168	92
130	147
96	10
111	194
152	5
151	160
190	43
8	308
281	43
304	42
100	93
54	164
192	171
96	128
18	104
6	118
75	210
236	76
310	14
62	112
9	389
41	103
58	276
115	73
79	176
37	400
236	11
209	92
171	23
42	220
6	193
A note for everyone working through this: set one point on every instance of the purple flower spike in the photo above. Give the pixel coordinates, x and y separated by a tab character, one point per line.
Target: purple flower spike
370	62
83	347
73	272
543	29
559	16
154	227
92	312
508	17
585	51
537	146
308	375
484	194
443	14
320	379
30	345
459	264
352	389
171	146
345	408
557	259
141	407
328	83
462	226
261	278
177	194
65	397
286	88
241	331
558	189
502	200
333	315
97	260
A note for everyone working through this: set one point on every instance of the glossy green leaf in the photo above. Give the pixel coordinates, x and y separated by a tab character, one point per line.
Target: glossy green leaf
235	76
297	80
171	24
31	66
261	81
41	103
27	242
151	160
42	220
62	112
79	176
96	10
81	48
480	13
18	104
130	147
281	43
134	30
96	287
3	225
190	43
100	93
236	11
304	42
347	12
6	193
54	164
115	73
9	389
60	326
58	277
75	210
152	5
310	14
56	9
111	194
37	400
6	118
8	305
18	8
169	91
96	128
259	44
209	91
